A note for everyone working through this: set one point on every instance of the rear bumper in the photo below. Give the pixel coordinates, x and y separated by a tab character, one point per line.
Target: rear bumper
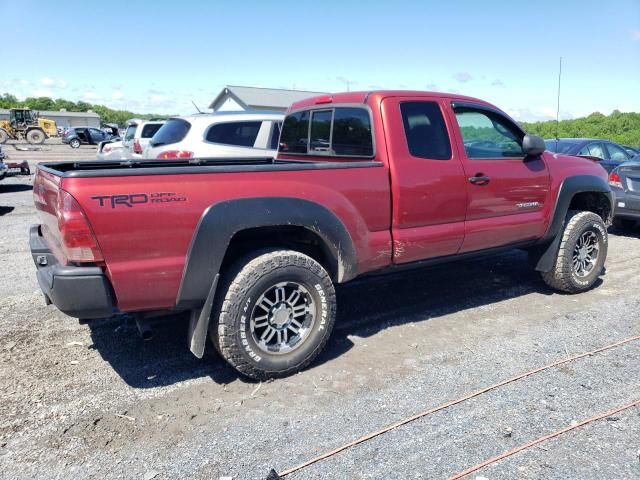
626	206
81	292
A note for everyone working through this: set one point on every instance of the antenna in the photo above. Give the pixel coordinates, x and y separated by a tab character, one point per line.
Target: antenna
558	110
194	104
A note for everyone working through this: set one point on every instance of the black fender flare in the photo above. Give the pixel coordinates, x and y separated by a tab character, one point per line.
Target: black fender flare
568	189
211	239
221	221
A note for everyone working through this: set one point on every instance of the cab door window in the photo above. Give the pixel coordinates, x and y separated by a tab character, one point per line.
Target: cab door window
488	135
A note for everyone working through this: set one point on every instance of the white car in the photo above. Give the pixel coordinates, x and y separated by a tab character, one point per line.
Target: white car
131	146
217	135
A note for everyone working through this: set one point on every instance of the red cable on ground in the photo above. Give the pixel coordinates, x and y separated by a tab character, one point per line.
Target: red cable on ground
449	404
542	439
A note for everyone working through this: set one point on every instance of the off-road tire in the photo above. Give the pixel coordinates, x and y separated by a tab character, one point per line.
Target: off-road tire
75	143
563	276
35	136
245	281
3	137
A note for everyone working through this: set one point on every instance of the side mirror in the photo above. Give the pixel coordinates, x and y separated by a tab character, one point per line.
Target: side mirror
533	145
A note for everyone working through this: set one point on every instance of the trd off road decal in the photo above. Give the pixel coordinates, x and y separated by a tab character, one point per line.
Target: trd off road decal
132	199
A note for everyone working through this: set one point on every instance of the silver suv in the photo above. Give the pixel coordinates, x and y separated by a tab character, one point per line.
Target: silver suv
224	135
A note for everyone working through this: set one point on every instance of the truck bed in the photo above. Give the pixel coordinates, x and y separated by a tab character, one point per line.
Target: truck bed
145	213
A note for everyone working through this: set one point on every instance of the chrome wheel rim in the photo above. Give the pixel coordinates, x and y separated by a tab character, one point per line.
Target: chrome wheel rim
585	254
282	318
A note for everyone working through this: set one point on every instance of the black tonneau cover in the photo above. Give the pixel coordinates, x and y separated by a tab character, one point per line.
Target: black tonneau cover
122	168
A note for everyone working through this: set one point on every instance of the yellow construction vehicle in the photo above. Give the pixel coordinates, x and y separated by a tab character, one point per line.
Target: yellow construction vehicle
25	124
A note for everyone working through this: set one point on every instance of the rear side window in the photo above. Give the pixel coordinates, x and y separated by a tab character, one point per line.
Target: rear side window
341	131
150	129
426	132
295	133
241	134
130	133
616	153
352	132
173	131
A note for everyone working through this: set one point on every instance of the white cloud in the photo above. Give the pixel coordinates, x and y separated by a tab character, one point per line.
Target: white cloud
42	92
463	77
635	35
117	95
497	83
53	83
90	95
539	114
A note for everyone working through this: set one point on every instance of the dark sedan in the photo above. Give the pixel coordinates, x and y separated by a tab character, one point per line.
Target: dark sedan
625	185
608	154
77	136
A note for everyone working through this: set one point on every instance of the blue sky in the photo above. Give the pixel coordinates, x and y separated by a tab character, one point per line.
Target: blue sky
158	56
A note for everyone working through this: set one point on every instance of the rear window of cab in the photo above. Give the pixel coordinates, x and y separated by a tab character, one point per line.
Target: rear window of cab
339	131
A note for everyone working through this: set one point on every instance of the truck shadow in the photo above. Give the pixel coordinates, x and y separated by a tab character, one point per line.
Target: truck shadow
366	307
633	232
15	187
5	210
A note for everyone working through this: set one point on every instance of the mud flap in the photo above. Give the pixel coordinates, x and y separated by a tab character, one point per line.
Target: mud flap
548	257
199	322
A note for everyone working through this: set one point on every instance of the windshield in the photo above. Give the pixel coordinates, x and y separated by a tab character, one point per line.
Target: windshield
173	131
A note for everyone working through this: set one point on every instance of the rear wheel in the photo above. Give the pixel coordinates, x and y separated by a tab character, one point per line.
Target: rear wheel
276	316
35	136
74	143
582	253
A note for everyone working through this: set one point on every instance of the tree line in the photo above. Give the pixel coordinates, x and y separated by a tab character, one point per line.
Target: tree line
623	128
107	115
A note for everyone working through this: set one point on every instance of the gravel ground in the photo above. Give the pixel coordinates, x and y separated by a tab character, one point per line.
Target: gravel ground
97	402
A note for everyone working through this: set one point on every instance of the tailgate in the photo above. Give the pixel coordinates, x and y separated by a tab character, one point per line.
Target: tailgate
45	196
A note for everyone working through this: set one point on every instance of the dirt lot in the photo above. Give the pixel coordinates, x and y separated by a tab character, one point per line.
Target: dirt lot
97	402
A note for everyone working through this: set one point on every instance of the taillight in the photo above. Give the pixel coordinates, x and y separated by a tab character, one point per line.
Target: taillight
77	239
137	148
175	154
106	149
614	180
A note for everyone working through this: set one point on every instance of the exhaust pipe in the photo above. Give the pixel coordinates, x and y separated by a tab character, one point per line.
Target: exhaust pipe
144	329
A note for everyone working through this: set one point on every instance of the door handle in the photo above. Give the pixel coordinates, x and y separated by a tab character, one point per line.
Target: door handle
479	179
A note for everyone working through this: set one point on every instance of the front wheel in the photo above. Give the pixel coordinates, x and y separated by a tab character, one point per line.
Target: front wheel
35	136
277	314
582	253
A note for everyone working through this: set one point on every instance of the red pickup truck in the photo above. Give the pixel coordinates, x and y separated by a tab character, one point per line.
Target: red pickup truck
363	182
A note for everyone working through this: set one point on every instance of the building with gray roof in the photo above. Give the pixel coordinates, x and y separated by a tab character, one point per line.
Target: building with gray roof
236	98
